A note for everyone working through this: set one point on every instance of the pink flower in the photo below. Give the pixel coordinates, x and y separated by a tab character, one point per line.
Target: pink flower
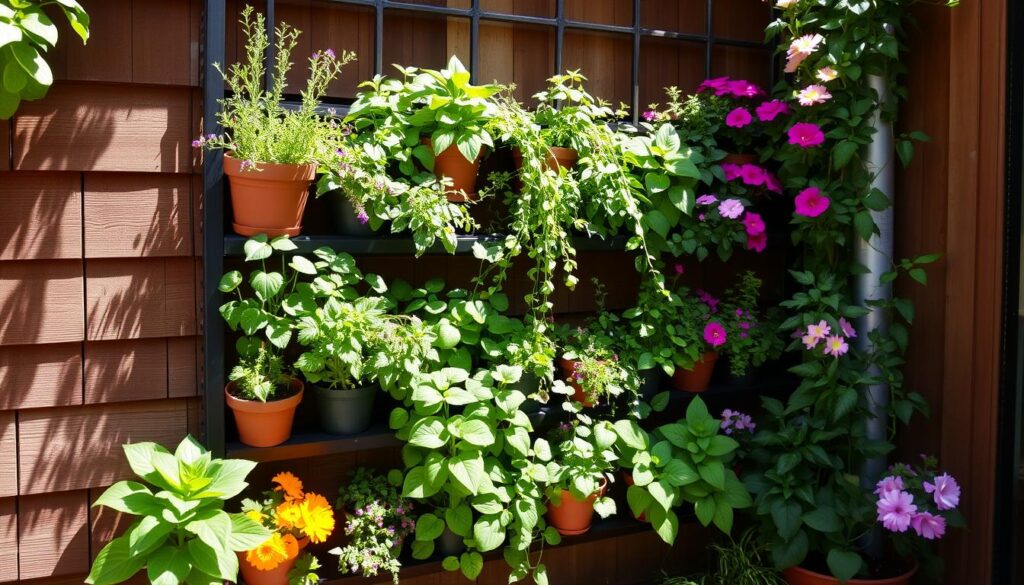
794	61
707	200
768	111
732	171
738	118
714	334
707	299
836	346
813	94
718	85
679	269
811	203
889	484
819	331
757	242
731	208
650	116
743	88
752	175
895	510
826	74
810	341
753	223
928	526
847	328
771	182
700	217
806	135
945	491
805	45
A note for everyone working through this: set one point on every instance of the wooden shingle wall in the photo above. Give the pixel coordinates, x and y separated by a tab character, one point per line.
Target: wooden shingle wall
98	267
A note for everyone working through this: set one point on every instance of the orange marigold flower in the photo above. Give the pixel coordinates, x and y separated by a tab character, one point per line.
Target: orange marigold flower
317	518
291	546
270	554
289	484
288	515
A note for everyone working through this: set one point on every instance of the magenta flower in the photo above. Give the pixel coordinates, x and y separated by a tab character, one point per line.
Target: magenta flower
945	491
811	203
731	208
714	334
707	200
362	217
895	510
738	118
742	88
753	223
679	269
700	217
707	299
732	172
847	328
753	175
889	484
649	116
768	111
771	182
806	135
718	85
197	143
836	346
928	526
757	242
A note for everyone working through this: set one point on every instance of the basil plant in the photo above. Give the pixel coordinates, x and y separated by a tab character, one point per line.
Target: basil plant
182	534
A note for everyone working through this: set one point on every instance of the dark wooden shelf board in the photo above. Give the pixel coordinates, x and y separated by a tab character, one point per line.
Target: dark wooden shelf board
314	444
393	245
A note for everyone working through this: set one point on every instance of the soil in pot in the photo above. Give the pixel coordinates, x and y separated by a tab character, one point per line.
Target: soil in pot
345	411
265	424
697	378
346	218
558	156
572	516
269	198
569	373
450	163
888	573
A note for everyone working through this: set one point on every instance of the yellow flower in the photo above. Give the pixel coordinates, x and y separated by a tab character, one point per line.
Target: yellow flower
317	517
288	515
255	515
270	554
289	484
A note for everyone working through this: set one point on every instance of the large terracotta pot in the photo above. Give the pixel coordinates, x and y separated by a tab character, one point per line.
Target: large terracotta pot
568	372
450	163
740	159
802	576
264	424
270	198
697	378
572	516
557	156
276	576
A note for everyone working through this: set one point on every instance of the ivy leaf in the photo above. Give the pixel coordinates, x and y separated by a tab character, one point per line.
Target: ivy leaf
488	533
864	224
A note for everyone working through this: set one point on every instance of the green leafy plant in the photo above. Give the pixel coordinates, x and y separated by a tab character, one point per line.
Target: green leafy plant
258	128
584	459
752	339
743	562
183	534
596	366
26	34
377	521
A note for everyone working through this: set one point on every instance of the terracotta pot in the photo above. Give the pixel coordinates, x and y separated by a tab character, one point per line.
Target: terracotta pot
557	156
697	378
568	369
270	198
802	576
573	516
627	477
276	576
450	163
264	424
739	159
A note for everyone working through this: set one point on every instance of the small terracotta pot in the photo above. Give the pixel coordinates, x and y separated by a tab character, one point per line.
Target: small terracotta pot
573	516
450	163
270	198
627	477
557	156
697	378
276	576
802	576
568	369
264	424
739	159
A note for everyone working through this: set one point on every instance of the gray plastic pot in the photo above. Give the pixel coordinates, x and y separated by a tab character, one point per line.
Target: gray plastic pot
345	412
345	217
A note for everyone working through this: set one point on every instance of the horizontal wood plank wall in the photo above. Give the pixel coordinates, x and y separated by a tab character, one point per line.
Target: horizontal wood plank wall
951	200
98	288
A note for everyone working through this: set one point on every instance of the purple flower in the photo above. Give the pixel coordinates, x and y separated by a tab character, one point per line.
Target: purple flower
731	208
330	53
362	217
679	269
928	526
714	334
649	116
895	510
197	143
700	217
945	491
707	200
847	328
889	484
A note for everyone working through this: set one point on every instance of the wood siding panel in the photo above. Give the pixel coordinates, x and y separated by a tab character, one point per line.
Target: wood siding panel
8	540
108	54
137	215
161	53
128	299
40	216
5	145
53	537
41	302
39	376
105	128
122	371
182	367
8	455
80	447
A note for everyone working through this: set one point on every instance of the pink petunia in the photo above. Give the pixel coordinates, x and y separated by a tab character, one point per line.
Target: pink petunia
895	510
945	491
771	182
738	118
753	223
888	484
813	94
707	199
742	88
928	526
679	269
757	242
649	116
714	334
731	208
811	203
718	85
806	135
847	328
752	175
732	171
768	111
836	346
819	330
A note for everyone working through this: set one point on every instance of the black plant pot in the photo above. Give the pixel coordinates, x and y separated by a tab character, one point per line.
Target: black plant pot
650	382
528	384
346	219
450	544
345	412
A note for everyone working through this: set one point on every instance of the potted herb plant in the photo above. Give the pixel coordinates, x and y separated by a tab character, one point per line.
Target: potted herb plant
261	393
591	367
294	518
377	521
271	152
584	460
564	112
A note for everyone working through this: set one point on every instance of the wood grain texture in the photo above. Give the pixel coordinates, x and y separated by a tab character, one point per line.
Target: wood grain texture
5	146
40	215
8	455
53	534
85	127
182	366
41	302
8	540
105	524
122	371
161	34
151	297
39	376
108	54
137	215
80	447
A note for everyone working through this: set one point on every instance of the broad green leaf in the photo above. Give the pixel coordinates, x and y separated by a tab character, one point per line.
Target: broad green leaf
130	497
168	566
488	533
208	561
114	563
472	563
679	473
476	432
631	434
429	527
823	519
147	534
467	469
460	520
428	433
844	564
228	478
246	534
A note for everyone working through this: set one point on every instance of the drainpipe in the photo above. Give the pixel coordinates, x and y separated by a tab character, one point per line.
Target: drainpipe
875	255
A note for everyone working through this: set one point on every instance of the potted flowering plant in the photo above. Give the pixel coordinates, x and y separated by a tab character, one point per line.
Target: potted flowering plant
751	340
377	522
738	112
272	152
591	367
584	459
693	332
295	518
